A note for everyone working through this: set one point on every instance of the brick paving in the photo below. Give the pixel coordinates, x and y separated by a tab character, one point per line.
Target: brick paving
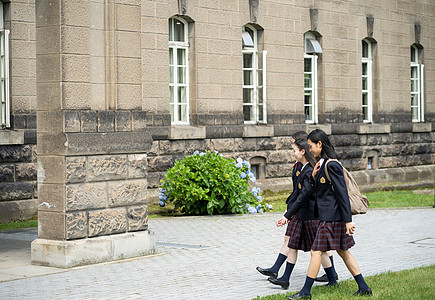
214	257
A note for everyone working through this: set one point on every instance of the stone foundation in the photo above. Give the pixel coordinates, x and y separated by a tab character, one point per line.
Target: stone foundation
67	254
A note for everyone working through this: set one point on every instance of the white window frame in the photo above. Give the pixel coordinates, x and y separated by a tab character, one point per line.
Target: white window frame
314	88
5	115
419	84
256	87
369	78
174	104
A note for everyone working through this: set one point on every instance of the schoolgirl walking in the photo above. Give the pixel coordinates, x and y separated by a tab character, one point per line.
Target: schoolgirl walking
332	207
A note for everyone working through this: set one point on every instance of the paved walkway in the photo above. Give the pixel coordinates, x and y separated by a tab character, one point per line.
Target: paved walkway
214	257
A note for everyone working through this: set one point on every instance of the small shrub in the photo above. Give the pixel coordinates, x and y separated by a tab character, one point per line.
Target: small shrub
208	183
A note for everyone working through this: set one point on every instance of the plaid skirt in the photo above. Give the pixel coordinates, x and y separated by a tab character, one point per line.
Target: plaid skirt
301	233
332	236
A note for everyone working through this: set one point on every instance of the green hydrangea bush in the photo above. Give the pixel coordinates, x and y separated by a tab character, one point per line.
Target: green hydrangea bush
208	183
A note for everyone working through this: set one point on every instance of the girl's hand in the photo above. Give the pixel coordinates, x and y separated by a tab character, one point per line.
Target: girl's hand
316	169
281	222
350	228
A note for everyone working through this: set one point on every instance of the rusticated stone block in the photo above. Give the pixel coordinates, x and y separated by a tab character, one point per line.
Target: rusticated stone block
172	147
107	168
89	121
19	121
51	225
266	144
6	173
106	121
137	218
128	192
107	221
279	157
86	196
25	172
154	179
75	169
245	144
16	190
76	225
224	131
223	145
159	163
72	121
30	136
31	121
137	166
158	132
15	154
122	120
193	145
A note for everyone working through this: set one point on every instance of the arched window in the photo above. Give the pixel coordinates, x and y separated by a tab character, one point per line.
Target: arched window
417	84
254	77
367	81
178	71
312	49
4	71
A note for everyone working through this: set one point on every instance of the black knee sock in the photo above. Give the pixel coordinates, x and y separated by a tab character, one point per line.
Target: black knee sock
288	271
332	262
306	289
278	263
330	274
362	285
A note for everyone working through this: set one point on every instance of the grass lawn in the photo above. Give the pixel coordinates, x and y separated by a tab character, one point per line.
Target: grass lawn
16	225
383	199
408	284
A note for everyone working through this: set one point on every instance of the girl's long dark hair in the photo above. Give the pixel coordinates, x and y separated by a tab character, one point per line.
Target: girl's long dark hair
328	150
302	143
300	135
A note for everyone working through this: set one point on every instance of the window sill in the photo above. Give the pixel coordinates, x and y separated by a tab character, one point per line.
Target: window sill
374	128
11	137
186	132
421	127
258	131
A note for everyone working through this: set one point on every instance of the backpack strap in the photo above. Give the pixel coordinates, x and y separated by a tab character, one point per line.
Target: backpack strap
326	170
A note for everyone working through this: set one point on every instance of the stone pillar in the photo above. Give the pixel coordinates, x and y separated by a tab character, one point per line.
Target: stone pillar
92	156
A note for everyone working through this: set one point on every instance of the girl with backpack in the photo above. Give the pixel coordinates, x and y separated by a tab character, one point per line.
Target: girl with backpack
299	215
332	207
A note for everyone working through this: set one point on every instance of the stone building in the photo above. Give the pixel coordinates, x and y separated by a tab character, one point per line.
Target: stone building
116	90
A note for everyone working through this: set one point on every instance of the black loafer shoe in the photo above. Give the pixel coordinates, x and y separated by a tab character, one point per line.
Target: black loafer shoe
283	284
299	296
267	272
367	292
324	278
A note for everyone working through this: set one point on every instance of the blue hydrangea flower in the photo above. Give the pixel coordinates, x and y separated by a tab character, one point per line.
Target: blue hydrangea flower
196	152
252	179
243	175
239	165
252	210
268	206
239	160
255	194
202	154
259	198
162	203
260	211
258	207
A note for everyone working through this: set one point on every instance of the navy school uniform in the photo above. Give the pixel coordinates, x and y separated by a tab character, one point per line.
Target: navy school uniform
302	227
332	207
297	167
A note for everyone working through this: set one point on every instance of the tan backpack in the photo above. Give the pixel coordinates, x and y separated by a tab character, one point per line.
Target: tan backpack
358	202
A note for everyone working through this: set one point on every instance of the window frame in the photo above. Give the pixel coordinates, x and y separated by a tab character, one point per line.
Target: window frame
369	79
255	86
174	104
5	113
419	84
314	78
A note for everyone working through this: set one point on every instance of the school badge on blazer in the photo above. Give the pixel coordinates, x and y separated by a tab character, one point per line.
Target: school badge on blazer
322	180
299	185
297	173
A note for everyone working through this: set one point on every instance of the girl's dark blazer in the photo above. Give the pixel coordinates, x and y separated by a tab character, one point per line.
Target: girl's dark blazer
296	168
303	201
332	205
